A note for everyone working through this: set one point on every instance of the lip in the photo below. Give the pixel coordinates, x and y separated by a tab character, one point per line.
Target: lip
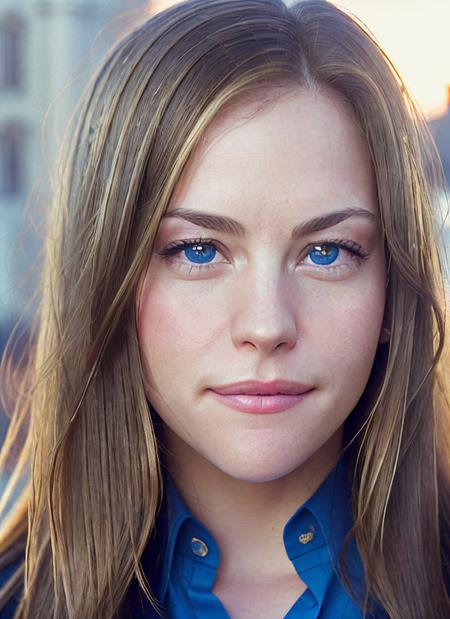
261	404
262	398
256	387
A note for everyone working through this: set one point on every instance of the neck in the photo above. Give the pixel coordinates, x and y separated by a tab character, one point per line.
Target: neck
247	519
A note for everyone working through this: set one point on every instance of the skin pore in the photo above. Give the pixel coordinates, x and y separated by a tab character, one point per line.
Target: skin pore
261	305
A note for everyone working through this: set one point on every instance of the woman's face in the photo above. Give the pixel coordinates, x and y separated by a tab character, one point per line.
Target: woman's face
292	289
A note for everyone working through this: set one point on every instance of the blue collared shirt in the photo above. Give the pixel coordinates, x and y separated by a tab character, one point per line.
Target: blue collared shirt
313	538
182	565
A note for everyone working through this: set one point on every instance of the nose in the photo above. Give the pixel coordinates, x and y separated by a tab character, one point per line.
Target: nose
263	313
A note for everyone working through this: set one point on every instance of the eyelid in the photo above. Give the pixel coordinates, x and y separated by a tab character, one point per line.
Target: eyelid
351	246
177	246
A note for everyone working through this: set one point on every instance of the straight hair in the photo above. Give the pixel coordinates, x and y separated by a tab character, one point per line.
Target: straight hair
81	434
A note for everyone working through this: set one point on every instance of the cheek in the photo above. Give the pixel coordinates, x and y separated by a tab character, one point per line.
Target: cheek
347	336
174	329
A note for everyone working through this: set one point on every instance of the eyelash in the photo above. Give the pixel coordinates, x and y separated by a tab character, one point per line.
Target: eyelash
355	250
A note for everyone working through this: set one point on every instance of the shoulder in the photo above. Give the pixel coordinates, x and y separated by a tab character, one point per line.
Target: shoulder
11	572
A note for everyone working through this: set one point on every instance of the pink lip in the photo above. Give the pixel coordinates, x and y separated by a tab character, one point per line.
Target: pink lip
261	404
260	398
255	387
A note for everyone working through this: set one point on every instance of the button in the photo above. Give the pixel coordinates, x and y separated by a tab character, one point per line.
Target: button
307	536
198	547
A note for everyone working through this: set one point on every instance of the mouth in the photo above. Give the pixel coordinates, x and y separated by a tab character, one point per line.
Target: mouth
256	399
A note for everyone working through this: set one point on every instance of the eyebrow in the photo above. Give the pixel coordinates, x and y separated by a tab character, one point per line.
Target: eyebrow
228	225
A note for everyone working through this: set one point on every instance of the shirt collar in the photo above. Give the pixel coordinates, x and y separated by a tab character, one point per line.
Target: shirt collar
330	507
313	535
174	513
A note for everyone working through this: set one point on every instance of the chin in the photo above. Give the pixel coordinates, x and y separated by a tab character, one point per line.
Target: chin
257	469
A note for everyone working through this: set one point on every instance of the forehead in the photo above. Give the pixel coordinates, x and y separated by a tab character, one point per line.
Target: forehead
243	108
286	145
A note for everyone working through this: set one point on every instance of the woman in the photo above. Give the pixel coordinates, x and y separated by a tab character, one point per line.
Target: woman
236	399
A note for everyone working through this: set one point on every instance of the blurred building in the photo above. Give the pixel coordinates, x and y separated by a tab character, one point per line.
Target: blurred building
46	55
440	128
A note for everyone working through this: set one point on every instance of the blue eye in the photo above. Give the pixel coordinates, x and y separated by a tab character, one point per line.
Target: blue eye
324	254
200	253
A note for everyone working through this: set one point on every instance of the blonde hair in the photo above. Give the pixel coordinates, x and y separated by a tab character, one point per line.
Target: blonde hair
90	505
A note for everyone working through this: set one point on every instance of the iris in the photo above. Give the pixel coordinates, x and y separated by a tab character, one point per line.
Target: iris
324	254
200	253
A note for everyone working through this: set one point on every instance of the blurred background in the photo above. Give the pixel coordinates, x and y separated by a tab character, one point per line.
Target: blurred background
48	49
